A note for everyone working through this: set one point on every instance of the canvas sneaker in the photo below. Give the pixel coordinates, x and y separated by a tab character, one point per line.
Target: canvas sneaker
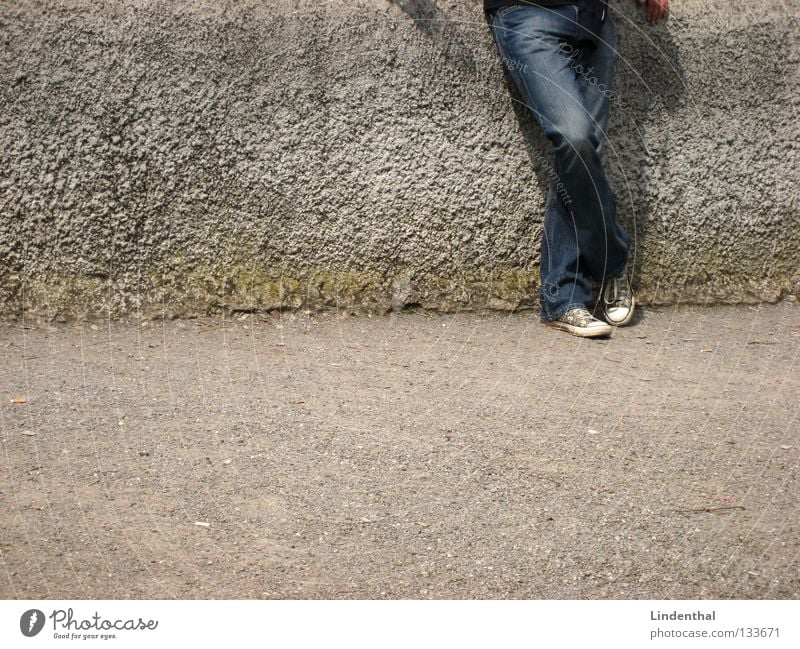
617	300
579	322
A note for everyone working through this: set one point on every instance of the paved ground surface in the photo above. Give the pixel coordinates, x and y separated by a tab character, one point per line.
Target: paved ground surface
409	456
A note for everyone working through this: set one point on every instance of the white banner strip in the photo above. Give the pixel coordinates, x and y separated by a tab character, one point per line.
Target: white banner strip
389	624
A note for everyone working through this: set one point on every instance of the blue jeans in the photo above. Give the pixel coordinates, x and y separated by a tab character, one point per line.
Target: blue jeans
567	86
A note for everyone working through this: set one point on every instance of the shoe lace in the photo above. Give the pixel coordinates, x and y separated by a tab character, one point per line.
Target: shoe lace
619	288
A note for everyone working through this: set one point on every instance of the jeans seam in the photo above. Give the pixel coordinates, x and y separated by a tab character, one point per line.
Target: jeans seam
502	11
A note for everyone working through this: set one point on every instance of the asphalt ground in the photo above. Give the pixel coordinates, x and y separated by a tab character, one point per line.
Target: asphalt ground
413	455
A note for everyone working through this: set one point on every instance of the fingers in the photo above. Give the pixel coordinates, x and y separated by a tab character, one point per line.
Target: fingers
656	10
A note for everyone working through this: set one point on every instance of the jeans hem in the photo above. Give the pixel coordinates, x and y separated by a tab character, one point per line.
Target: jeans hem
574	305
616	274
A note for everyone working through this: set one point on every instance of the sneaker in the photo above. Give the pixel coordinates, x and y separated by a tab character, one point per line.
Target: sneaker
618	302
579	322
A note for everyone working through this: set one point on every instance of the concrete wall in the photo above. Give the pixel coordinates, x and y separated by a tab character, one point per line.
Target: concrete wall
179	157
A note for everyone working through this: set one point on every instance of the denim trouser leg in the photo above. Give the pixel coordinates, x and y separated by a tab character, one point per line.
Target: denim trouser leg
566	86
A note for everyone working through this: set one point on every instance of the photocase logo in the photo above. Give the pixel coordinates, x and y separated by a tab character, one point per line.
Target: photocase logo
31	622
66	626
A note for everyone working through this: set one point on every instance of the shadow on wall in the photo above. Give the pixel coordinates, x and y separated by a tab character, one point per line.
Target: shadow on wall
422	11
441	24
650	89
649	86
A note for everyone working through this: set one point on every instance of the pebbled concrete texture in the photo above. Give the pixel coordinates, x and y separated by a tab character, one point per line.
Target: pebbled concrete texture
186	157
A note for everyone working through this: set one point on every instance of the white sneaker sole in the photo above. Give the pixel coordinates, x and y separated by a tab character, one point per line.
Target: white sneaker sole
599	330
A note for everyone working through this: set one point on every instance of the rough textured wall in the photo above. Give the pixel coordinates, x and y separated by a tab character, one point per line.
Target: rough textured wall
179	156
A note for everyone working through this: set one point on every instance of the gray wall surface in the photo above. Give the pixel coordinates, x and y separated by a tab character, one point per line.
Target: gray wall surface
181	157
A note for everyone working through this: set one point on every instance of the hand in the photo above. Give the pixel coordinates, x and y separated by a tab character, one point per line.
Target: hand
655	10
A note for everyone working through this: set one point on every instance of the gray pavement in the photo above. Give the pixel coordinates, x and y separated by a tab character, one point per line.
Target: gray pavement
414	455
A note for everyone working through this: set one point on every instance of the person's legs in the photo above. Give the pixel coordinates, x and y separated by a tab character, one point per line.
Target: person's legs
594	68
581	237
